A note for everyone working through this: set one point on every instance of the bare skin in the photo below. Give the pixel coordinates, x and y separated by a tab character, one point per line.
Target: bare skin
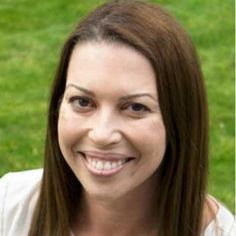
210	212
124	219
115	124
122	123
118	217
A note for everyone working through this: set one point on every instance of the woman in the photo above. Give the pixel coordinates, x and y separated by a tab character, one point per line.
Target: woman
127	139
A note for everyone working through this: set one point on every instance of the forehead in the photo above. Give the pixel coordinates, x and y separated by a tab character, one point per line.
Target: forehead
110	65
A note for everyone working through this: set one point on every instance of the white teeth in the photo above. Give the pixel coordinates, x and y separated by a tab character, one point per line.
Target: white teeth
94	163
105	165
113	165
99	165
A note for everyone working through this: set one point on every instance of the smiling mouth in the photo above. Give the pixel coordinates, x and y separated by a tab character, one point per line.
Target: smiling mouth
104	166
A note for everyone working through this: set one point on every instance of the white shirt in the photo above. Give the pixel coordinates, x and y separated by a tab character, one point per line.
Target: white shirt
19	192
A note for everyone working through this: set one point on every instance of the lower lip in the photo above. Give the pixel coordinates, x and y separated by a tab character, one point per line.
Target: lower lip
103	172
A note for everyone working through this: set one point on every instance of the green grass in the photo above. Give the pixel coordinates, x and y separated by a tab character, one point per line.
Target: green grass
31	36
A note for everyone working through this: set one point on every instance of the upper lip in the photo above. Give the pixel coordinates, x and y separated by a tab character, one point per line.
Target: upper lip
109	156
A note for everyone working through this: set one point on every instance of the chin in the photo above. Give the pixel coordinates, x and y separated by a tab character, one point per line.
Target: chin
105	194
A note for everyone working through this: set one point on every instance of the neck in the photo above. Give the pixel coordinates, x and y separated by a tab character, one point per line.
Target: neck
132	214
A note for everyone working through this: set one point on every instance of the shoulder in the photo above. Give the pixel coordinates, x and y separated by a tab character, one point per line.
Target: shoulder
223	223
25	176
19	185
18	195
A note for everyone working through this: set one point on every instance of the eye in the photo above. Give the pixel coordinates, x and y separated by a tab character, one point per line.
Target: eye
136	108
81	104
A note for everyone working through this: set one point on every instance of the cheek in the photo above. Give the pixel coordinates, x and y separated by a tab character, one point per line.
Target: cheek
151	138
67	130
158	138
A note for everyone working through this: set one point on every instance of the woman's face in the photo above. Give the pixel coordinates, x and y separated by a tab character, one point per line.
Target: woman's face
111	131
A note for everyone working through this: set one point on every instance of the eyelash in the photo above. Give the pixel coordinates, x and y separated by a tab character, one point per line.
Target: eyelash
136	107
78	99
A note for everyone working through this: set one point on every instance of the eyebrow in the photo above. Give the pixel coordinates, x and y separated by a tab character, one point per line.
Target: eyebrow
127	97
132	96
81	89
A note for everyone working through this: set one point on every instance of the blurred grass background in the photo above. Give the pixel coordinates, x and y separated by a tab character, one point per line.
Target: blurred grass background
31	37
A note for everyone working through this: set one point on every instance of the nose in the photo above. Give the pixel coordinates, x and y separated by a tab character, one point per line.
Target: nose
105	130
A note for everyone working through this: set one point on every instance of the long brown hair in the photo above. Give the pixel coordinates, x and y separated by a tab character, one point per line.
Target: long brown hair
183	172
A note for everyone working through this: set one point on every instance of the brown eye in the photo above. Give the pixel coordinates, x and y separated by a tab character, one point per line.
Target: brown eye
138	107
135	109
81	104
